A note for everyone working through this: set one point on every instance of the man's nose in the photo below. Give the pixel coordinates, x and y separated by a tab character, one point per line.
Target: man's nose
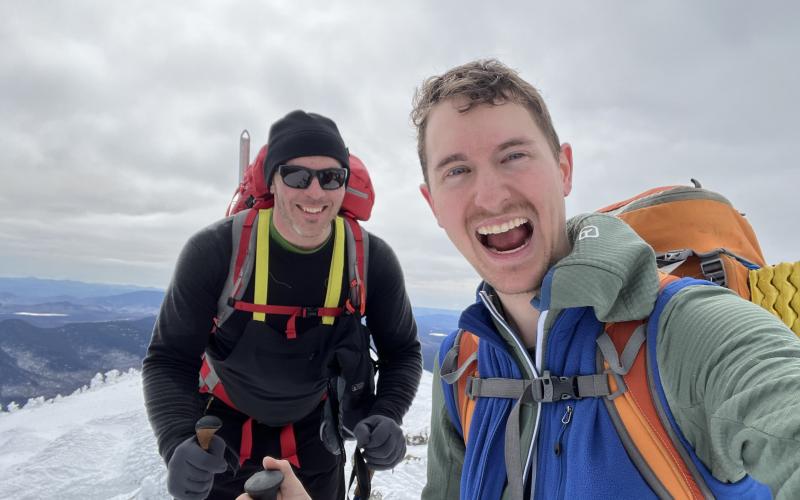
491	190
315	188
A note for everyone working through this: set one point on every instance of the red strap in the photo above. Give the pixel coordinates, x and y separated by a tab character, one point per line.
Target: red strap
246	448
244	244
218	391
303	312
291	327
289	445
359	239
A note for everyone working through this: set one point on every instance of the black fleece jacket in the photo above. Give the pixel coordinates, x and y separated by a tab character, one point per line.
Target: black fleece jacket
183	328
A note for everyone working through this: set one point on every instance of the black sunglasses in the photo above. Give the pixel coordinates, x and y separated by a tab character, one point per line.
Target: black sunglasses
299	177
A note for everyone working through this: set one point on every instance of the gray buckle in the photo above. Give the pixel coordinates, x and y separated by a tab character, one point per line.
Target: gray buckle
713	270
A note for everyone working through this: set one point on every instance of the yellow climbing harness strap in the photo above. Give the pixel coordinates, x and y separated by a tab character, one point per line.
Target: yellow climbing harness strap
777	289
335	274
262	262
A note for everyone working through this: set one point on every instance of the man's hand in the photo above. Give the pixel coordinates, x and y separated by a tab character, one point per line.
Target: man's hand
291	488
190	472
382	441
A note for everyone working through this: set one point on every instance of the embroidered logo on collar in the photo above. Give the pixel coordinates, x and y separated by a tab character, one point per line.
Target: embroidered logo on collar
588	232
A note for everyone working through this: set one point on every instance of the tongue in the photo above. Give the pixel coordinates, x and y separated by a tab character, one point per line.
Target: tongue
509	240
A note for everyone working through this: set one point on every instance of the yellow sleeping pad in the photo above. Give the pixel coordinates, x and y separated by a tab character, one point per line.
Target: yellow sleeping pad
777	289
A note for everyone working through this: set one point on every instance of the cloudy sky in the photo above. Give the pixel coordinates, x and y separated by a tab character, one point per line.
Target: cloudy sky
119	122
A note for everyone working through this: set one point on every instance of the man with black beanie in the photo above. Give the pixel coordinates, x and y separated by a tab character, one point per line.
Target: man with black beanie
277	377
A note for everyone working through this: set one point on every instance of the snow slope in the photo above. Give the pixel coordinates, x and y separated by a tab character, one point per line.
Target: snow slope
97	444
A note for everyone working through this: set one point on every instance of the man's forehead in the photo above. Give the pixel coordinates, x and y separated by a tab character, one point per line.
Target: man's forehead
496	125
314	161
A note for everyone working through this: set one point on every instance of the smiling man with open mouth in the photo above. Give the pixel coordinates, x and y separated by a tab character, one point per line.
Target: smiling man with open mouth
528	395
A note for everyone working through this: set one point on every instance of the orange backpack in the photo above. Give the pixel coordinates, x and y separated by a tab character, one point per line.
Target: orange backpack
699	234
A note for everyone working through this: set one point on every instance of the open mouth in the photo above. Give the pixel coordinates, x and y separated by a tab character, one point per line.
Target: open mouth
312	210
507	237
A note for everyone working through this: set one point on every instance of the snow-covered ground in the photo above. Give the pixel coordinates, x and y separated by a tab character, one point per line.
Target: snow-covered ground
97	444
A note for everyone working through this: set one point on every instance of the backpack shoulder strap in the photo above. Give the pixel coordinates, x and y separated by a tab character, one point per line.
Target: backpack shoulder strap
243	243
646	435
357	259
458	365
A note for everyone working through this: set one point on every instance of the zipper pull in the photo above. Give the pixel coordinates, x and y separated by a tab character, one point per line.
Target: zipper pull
567	415
564	421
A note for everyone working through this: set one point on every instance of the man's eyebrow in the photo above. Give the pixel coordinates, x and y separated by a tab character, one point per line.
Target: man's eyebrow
517	141
450	159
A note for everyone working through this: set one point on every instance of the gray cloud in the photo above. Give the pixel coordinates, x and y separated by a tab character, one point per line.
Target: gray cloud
119	122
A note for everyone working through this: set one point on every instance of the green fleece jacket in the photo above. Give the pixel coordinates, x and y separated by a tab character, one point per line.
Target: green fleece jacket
730	370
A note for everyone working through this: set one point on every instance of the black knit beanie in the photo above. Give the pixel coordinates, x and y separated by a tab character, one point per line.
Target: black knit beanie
303	134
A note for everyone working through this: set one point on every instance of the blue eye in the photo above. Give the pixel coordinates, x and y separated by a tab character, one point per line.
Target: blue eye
456	171
514	156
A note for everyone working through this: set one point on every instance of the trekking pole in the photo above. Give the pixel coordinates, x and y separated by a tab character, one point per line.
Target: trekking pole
205	428
264	485
244	153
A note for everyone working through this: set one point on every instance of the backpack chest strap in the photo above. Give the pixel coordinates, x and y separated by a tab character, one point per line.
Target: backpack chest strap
545	389
293	312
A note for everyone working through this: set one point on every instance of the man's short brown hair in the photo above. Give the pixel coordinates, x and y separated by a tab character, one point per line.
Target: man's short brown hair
486	81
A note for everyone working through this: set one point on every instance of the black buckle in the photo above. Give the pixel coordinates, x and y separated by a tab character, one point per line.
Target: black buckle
310	312
558	388
713	270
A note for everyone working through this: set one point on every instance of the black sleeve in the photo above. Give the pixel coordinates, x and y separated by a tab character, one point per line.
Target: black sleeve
394	332
172	363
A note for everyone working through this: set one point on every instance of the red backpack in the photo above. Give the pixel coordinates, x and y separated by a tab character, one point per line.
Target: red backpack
254	193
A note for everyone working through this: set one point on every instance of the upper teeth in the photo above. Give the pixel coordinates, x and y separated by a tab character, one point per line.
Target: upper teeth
312	210
502	228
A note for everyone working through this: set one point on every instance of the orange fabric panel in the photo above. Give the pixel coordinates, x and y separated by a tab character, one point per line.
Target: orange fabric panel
639	196
466	405
738	276
639	415
704	225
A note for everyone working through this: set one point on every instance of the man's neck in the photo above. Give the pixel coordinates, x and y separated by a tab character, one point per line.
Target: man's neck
276	235
522	316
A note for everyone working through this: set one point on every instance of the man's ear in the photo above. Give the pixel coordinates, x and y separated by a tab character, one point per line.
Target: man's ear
426	193
565	165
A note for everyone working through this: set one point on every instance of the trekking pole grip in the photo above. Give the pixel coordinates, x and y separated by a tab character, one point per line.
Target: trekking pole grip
264	485
205	428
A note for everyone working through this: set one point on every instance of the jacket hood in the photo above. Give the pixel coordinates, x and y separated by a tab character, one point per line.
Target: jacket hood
610	269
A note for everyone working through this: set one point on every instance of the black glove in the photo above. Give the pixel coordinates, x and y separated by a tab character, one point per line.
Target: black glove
190	472
382	441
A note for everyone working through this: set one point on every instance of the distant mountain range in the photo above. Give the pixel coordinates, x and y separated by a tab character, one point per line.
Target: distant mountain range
56	335
51	303
45	362
40	288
